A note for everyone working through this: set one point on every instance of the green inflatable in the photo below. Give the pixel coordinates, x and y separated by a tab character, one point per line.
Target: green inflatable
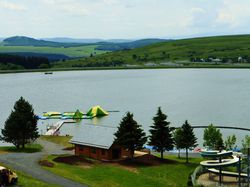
96	111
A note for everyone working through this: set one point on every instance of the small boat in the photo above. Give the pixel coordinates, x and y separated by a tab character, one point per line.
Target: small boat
48	73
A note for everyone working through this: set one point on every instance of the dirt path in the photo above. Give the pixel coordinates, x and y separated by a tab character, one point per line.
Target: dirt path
28	163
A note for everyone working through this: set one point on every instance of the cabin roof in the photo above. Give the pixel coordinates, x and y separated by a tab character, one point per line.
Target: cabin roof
95	136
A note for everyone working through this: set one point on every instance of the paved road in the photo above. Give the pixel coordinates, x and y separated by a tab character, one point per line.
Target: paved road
28	163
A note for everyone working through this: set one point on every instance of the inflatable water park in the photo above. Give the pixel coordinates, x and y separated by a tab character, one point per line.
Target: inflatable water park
95	111
219	160
70	117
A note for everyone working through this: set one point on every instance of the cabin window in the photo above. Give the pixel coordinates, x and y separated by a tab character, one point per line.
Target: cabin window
103	152
94	150
81	148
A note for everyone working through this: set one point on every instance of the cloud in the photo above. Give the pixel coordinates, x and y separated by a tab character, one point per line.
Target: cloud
234	14
11	6
71	7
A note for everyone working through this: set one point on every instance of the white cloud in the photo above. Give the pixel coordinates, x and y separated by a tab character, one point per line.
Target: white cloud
11	6
71	7
234	13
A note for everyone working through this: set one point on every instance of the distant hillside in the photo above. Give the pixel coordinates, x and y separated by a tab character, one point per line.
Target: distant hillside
26	41
224	49
127	45
84	41
73	40
50	57
116	45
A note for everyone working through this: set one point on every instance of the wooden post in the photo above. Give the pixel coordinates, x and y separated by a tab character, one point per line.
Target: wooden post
220	160
248	165
239	179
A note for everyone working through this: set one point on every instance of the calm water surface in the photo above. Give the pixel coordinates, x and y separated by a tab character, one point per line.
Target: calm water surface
202	96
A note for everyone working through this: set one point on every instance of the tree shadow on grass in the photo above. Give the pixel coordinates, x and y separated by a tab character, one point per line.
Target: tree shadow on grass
146	161
29	148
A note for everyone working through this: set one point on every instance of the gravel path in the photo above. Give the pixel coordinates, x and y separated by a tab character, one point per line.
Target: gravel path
28	163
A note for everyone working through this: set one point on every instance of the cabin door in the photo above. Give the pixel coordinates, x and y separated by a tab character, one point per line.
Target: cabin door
116	153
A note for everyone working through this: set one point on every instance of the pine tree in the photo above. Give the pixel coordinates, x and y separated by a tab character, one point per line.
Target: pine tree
21	126
178	140
188	138
160	133
130	135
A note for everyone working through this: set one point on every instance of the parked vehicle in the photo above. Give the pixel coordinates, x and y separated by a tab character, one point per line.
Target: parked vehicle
7	176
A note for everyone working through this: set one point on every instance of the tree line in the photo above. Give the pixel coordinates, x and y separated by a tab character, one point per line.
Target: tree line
19	62
130	135
21	128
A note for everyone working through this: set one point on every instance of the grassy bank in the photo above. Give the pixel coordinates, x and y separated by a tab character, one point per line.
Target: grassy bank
190	66
29	148
61	140
174	173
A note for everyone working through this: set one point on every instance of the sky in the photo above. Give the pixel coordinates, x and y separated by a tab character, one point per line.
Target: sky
123	19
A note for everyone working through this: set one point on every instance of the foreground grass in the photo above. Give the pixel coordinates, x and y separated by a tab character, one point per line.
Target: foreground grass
100	174
61	140
25	180
29	148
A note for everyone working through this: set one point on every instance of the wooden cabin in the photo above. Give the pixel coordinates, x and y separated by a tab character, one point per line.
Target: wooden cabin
97	142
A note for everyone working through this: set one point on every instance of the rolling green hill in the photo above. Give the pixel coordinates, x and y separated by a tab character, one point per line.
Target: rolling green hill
22	44
225	48
73	52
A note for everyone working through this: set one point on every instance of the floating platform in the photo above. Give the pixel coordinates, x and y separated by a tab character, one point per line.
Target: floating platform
54	130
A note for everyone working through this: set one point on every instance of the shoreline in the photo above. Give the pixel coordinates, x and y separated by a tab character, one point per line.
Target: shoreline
238	66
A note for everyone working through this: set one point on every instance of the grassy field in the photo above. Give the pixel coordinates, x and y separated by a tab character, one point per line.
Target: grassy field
69	51
62	140
101	175
29	148
177	50
28	181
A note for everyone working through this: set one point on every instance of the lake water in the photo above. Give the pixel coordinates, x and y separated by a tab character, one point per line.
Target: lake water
201	96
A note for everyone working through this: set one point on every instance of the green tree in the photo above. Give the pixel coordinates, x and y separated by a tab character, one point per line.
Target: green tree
21	126
160	133
245	144
230	142
212	137
188	138
130	135
178	140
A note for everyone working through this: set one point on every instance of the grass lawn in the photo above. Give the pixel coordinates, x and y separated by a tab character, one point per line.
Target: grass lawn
62	140
25	180
103	174
29	148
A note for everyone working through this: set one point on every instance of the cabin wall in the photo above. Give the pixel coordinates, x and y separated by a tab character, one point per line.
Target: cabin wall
101	154
92	152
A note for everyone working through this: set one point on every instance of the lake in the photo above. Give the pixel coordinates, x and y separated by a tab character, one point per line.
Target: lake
201	96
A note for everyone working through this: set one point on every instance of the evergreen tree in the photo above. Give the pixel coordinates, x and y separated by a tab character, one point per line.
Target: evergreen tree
130	135
160	133
230	142
178	140
212	137
21	126
188	138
